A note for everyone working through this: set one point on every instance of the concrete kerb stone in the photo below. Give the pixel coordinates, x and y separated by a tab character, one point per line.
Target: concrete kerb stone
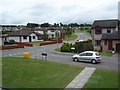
82	78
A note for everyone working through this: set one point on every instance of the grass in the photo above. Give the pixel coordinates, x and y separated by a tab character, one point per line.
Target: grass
82	31
58	49
38	43
103	79
106	54
20	72
72	37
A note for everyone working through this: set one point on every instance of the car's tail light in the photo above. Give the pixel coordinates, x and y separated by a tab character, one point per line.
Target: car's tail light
97	57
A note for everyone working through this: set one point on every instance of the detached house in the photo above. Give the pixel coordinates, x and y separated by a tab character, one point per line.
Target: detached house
106	35
25	35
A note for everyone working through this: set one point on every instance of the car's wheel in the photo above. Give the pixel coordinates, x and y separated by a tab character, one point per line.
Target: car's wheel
76	59
93	61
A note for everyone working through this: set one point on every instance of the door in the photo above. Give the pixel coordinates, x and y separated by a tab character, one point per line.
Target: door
110	45
29	38
118	47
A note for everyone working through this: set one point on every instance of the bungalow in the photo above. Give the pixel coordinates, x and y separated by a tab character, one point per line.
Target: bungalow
25	35
105	35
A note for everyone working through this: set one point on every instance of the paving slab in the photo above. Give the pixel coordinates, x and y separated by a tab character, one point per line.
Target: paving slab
82	78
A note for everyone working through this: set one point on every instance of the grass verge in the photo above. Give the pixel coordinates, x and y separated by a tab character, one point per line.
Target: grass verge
82	31
58	49
38	43
106	54
20	72
103	79
72	37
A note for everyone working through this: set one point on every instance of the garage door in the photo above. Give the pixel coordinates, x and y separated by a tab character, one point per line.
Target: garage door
118	47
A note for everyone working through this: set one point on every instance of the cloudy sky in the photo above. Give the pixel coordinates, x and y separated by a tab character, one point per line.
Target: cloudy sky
56	11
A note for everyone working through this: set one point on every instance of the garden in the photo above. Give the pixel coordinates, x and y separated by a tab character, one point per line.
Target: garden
19	72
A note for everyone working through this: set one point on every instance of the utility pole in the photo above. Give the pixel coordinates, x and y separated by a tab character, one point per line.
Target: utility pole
57	35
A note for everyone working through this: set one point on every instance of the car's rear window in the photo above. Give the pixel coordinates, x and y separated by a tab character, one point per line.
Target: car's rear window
97	54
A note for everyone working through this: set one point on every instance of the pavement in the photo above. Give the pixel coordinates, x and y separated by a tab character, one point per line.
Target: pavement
82	78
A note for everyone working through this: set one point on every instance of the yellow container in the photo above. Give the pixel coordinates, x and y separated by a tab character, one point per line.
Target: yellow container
26	55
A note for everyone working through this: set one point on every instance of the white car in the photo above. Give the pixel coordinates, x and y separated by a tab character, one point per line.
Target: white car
80	40
88	56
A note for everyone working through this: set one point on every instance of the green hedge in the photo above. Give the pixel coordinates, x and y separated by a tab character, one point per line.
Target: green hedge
66	47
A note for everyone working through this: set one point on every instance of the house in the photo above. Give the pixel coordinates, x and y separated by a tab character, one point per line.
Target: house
25	35
102	34
52	32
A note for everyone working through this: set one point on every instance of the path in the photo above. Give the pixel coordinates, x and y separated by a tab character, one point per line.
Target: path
82	78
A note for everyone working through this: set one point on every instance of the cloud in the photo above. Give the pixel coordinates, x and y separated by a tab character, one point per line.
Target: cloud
56	11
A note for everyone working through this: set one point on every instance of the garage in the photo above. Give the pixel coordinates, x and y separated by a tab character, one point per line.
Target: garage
118	47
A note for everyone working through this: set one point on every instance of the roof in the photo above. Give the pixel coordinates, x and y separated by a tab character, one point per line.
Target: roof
105	23
23	32
115	35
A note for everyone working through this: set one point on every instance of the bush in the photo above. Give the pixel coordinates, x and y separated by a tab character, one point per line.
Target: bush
79	47
96	49
89	40
66	47
12	41
89	47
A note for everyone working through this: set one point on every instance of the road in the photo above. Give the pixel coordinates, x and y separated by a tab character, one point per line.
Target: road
108	63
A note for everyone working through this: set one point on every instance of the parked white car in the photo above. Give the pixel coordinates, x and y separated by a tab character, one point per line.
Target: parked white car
80	40
88	56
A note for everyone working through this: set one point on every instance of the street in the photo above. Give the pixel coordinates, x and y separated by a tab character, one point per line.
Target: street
108	63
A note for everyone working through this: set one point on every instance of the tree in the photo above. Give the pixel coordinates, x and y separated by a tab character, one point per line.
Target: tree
44	37
45	25
32	25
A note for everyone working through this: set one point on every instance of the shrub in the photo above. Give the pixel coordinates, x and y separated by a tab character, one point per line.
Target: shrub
89	40
12	41
66	47
96	49
89	47
79	47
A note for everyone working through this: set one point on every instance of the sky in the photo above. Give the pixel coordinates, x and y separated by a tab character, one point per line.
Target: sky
20	12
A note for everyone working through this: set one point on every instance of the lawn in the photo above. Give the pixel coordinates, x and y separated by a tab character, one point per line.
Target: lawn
19	72
72	37
103	79
106	54
38	43
82	31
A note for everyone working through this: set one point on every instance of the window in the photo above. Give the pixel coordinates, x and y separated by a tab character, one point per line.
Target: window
33	37
52	35
105	42
97	42
52	30
108	31
98	31
24	37
39	37
89	54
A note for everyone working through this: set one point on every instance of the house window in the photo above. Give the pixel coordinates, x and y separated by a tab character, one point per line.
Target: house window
97	42
52	30
39	37
108	31
52	35
33	37
24	37
98	31
105	42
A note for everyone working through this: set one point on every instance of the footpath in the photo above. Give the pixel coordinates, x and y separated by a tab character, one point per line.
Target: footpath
82	78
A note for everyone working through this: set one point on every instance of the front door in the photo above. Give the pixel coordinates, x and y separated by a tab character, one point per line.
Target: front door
110	45
29	38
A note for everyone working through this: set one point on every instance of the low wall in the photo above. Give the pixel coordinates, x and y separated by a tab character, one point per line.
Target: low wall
10	47
47	43
24	44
